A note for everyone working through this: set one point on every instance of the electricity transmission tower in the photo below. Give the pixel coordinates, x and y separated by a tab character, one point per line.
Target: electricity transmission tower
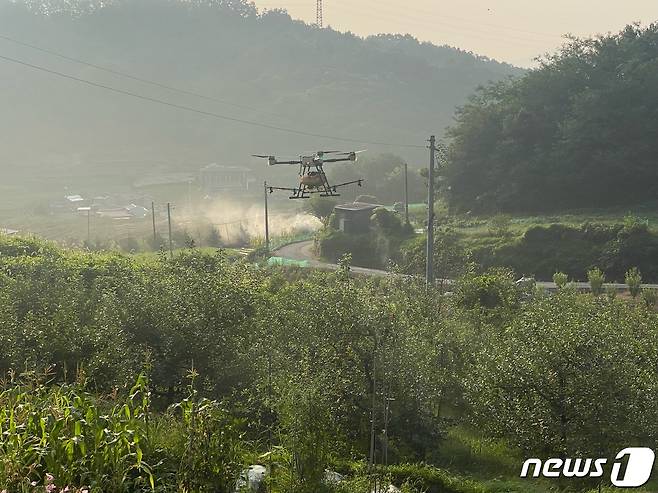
318	14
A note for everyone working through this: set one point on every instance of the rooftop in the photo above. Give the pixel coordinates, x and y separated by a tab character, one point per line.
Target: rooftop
357	206
223	167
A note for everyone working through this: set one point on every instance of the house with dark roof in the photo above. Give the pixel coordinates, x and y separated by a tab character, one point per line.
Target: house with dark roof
354	218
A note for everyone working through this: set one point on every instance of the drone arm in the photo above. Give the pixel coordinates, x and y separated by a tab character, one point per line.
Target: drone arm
287	162
359	182
271	189
337	160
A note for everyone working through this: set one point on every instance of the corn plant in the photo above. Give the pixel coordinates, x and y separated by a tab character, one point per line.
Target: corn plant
61	436
212	444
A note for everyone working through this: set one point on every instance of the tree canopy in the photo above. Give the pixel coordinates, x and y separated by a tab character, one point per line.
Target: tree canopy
578	131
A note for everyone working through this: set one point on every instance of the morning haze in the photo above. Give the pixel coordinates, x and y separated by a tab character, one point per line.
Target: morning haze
515	31
241	252
62	136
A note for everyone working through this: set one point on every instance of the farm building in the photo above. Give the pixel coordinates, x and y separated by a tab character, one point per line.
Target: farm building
354	218
217	178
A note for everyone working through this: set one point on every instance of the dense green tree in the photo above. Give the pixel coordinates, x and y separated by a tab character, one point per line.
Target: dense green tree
320	207
575	132
567	376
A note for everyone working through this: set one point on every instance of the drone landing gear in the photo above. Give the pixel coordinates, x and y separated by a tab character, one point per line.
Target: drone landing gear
306	192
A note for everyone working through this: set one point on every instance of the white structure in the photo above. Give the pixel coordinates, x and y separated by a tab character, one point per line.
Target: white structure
131	211
75	199
216	178
137	211
251	480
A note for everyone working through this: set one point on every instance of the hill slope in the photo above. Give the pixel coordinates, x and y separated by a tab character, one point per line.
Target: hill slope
387	88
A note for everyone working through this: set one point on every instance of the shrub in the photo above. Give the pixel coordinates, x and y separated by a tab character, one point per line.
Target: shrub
650	297
320	207
157	242
334	244
417	477
213	239
129	244
491	290
373	248
451	259
182	238
611	293
543	250
20	246
560	279
499	225
596	279
634	281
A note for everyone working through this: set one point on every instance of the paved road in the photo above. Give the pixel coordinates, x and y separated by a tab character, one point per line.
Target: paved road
303	250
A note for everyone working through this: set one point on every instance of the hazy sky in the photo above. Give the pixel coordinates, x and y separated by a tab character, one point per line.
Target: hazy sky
515	31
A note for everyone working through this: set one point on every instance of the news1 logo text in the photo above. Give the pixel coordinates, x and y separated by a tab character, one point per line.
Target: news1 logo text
631	468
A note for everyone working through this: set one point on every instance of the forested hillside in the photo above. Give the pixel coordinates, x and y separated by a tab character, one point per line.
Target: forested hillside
264	67
579	131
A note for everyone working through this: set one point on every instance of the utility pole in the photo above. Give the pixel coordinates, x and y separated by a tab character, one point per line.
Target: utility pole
386	414
270	417
371	459
267	222
171	248
318	14
155	234
406	193
429	262
88	227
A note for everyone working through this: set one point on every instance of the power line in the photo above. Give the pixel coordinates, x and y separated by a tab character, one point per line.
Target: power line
508	38
203	112
470	21
132	77
394	8
430	18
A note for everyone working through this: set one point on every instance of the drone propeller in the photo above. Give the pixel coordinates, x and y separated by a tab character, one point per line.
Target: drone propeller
271	160
352	156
